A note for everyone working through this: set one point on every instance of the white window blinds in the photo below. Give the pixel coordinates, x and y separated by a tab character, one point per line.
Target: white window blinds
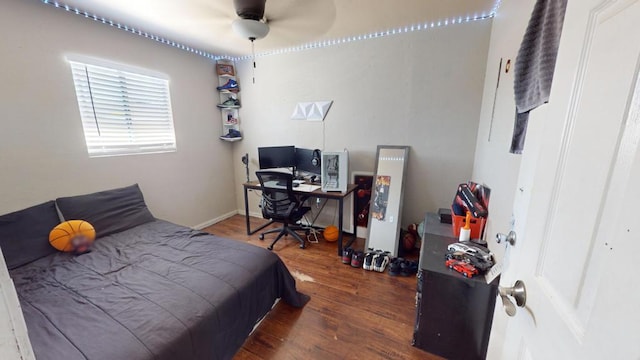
123	112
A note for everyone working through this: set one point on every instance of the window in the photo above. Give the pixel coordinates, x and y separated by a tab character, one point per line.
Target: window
123	112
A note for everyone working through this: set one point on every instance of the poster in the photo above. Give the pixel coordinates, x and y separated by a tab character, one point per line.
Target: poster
363	199
381	197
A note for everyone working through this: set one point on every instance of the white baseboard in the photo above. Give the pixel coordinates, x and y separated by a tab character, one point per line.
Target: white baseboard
251	213
216	220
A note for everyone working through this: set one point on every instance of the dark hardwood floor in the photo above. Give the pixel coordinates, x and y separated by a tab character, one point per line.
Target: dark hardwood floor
353	313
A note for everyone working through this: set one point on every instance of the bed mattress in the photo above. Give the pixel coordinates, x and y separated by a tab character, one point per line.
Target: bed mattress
156	291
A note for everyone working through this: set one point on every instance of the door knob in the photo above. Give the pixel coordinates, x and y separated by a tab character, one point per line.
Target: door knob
518	291
510	238
508	305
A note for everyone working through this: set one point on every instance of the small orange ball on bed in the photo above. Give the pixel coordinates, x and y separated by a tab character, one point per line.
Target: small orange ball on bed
331	233
61	237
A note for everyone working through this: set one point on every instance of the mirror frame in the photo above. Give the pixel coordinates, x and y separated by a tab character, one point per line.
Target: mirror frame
398	216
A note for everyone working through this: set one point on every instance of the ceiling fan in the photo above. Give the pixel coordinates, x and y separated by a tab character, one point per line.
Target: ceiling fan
288	21
251	23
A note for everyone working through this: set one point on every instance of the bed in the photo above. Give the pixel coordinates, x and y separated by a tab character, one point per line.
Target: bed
155	290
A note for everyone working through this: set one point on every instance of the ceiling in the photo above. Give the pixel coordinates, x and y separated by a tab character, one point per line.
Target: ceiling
206	24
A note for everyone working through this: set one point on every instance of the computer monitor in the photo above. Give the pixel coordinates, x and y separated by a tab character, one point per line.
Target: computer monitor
277	157
304	160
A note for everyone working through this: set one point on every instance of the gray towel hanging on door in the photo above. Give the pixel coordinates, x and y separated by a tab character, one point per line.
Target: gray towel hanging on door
536	64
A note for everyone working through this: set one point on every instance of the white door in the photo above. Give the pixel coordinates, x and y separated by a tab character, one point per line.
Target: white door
14	339
577	207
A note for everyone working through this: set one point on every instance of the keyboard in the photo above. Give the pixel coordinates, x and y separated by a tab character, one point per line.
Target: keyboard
282	183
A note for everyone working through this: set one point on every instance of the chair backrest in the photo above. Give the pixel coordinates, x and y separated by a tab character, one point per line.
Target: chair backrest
278	198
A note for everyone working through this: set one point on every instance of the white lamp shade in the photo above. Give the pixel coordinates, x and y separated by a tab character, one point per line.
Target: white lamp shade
249	29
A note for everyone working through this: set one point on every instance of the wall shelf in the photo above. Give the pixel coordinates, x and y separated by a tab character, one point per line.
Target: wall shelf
231	139
230	114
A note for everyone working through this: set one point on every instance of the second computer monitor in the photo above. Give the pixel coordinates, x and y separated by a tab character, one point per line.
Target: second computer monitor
304	160
277	157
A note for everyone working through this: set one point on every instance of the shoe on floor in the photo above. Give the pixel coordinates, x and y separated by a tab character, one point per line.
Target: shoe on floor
347	253
395	266
367	263
408	268
357	259
380	261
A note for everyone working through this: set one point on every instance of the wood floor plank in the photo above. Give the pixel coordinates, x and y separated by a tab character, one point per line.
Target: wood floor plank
244	354
352	314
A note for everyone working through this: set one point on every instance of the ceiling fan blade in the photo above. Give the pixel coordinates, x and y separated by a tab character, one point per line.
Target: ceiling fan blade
296	21
250	9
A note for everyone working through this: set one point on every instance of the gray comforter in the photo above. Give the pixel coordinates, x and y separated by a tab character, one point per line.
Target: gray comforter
156	291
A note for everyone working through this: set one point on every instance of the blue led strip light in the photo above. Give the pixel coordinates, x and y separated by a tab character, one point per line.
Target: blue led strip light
374	35
312	45
494	9
131	29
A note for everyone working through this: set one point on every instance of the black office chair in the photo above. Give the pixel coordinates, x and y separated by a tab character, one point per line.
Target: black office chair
280	204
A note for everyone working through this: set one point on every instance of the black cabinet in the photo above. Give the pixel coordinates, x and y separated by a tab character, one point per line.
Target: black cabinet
454	313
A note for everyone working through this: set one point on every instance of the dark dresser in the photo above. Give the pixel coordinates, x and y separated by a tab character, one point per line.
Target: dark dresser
454	314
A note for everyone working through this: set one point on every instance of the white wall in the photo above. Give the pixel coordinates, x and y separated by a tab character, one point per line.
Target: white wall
421	89
493	164
42	149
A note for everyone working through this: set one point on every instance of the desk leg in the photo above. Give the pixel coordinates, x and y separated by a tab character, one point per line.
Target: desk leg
248	218
355	223
246	210
354	199
340	213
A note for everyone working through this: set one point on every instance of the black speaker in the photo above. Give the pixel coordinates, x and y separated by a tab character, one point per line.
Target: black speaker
315	160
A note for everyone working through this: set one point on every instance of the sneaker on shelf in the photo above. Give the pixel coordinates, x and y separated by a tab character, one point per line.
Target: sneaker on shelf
233	134
231	120
346	255
230	103
357	258
380	261
367	263
231	85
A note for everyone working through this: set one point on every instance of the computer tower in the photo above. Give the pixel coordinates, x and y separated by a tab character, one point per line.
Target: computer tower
335	171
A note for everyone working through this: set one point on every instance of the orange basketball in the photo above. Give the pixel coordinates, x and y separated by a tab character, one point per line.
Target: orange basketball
331	233
408	241
62	235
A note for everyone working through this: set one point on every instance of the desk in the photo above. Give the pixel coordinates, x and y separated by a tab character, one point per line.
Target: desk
338	196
